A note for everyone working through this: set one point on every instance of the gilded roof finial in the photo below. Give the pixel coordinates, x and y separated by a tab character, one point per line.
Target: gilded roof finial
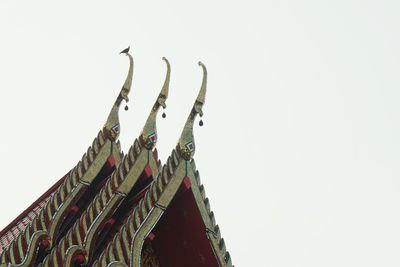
186	145
149	132
112	127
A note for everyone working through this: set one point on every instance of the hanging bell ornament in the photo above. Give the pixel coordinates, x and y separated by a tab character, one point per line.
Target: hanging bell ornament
201	123
164	115
126	107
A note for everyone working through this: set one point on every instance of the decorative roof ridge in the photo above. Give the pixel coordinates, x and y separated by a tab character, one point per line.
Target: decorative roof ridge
37	240
219	245
126	233
186	144
185	150
27	213
112	126
118	176
44	219
84	173
96	205
117	248
147	140
149	209
149	132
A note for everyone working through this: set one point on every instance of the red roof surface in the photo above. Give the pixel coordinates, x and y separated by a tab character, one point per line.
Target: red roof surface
18	225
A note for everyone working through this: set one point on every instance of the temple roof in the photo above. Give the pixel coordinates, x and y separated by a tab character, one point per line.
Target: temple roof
116	209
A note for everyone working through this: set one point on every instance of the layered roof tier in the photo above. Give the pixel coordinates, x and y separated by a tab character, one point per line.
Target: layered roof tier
113	209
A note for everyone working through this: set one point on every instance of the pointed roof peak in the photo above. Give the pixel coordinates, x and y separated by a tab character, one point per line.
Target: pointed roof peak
164	91
186	144
112	126
149	132
201	98
128	81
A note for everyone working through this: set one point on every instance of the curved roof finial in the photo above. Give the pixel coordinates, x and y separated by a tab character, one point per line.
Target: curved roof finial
164	91
186	144
112	127
149	132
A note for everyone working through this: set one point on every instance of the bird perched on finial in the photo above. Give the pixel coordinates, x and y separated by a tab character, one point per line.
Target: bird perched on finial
125	51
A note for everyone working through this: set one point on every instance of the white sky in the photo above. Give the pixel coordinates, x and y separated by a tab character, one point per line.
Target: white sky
300	149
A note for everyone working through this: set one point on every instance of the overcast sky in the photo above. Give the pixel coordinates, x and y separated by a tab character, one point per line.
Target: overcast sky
300	146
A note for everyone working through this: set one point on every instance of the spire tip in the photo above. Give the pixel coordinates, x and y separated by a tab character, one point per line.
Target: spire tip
186	145
149	132
111	126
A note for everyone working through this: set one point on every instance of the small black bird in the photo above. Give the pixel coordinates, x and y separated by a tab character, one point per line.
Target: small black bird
125	51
